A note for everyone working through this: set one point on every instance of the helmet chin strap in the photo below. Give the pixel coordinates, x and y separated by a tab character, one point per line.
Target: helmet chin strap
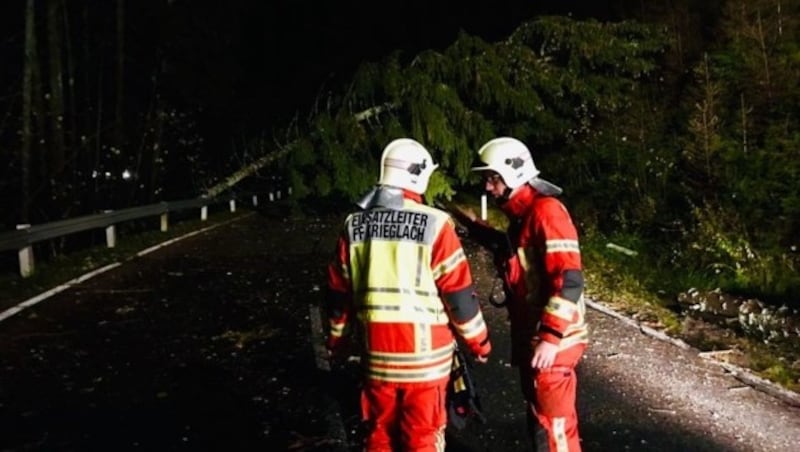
502	199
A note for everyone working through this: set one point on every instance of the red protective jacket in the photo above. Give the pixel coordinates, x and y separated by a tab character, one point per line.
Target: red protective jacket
543	274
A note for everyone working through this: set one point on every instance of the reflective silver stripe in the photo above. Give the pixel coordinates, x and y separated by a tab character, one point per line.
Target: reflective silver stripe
523	260
440	439
408	376
344	269
402	358
434	311
410	367
561	308
336	329
397	163
422	293
449	263
560	435
564	245
472	328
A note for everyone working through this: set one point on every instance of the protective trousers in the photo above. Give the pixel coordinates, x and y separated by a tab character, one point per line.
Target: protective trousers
404	417
551	396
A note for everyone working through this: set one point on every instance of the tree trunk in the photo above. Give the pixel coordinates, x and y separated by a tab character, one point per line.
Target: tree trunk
147	167
265	160
27	111
120	76
40	143
743	106
56	90
86	89
707	114
764	55
72	133
154	182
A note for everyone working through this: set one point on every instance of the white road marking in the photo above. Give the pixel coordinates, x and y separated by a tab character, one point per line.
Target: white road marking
49	293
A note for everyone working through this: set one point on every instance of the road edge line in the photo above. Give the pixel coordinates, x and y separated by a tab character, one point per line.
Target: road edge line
19	307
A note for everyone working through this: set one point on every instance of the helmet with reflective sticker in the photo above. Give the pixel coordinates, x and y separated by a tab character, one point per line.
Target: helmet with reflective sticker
509	158
406	164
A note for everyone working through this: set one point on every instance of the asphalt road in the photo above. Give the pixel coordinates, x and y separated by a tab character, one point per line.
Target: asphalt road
212	343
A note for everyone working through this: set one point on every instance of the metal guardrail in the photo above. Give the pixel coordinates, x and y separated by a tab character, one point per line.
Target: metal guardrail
36	233
26	235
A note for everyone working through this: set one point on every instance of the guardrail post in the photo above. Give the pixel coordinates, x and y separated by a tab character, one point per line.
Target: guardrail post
255	200
164	222
233	205
25	256
204	213
111	234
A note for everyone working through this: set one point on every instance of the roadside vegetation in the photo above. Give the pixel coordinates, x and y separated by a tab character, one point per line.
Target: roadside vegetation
646	290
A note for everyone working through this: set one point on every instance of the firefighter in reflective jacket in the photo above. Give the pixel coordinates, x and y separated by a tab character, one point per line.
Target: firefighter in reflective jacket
400	271
543	279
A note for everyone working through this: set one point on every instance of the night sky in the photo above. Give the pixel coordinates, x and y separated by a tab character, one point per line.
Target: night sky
290	51
251	65
307	46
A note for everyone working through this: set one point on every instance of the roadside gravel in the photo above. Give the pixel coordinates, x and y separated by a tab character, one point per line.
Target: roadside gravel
677	386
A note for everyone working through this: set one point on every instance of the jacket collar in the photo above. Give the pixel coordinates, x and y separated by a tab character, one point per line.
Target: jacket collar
520	202
388	197
407	194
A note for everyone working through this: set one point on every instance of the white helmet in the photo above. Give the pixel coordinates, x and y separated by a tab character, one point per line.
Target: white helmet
512	160
406	164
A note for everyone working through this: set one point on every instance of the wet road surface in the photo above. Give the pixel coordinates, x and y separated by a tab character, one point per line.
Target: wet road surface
212	343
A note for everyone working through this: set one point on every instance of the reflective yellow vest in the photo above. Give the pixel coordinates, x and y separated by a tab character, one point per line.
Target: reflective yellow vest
396	291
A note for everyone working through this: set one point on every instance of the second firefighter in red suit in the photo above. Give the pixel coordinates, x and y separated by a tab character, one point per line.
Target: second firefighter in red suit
543	280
